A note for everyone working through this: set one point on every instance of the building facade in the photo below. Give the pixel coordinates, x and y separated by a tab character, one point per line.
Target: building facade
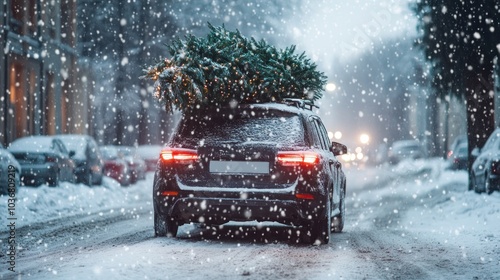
44	88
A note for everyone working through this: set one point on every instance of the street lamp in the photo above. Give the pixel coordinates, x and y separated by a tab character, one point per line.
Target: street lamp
364	138
331	87
337	135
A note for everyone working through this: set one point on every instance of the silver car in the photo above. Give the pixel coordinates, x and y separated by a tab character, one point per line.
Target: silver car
43	159
485	172
87	157
405	150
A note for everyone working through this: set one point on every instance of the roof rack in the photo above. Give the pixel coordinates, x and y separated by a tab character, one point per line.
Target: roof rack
300	103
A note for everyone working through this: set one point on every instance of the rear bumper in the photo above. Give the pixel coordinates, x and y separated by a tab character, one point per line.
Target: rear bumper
222	210
218	206
239	199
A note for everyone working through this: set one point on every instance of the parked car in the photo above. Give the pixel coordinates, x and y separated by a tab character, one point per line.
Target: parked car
43	159
10	172
114	166
263	162
405	150
459	140
485	171
150	155
136	165
459	158
87	158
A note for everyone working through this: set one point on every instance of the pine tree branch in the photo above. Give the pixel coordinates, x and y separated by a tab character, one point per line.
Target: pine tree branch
226	67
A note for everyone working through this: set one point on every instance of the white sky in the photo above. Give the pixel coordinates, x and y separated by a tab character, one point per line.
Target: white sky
336	30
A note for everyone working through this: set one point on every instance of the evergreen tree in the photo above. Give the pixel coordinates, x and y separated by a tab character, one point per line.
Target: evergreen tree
226	67
461	39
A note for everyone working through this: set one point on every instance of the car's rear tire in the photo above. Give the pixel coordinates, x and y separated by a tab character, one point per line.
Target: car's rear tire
89	179
320	229
338	220
164	226
487	185
475	187
99	181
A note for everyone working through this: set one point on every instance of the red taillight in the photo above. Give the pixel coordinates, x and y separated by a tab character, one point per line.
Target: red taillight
297	158
50	159
170	193
306	196
179	155
450	153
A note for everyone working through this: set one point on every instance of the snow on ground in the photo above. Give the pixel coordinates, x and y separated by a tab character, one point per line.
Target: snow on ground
454	213
37	204
424	200
457	211
435	205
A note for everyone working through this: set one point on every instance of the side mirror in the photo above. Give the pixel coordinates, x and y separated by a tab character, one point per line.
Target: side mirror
72	154
339	149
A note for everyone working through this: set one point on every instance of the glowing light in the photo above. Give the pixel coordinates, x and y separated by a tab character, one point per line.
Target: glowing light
337	135
364	138
331	87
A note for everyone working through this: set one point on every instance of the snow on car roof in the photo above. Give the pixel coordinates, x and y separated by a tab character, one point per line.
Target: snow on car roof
31	144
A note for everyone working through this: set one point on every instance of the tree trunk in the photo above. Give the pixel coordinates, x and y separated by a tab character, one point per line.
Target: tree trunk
120	81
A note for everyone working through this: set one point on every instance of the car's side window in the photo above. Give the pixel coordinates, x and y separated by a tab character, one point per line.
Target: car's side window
315	134
61	148
318	135
324	134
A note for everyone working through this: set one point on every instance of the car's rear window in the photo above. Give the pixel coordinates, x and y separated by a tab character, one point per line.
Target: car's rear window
282	128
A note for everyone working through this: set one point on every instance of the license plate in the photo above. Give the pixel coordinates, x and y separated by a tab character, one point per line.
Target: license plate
239	167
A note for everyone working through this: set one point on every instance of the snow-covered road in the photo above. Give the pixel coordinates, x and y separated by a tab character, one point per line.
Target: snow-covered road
412	221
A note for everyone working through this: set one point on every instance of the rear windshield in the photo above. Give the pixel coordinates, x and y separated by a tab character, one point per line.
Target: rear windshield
282	128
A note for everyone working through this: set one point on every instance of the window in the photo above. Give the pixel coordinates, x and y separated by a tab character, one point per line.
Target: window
23	17
324	134
318	133
24	97
31	13
16	16
68	22
18	103
50	105
261	126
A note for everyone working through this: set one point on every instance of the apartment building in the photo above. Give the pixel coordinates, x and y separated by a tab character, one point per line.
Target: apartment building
44	88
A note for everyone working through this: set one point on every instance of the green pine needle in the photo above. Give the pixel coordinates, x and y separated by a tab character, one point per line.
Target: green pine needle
226	67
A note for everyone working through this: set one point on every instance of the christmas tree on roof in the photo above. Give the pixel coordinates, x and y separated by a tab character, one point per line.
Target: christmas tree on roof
226	67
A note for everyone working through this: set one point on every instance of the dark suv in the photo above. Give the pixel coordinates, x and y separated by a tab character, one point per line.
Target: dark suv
262	162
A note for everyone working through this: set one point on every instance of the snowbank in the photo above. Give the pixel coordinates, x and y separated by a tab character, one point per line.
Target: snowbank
37	204
432	203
